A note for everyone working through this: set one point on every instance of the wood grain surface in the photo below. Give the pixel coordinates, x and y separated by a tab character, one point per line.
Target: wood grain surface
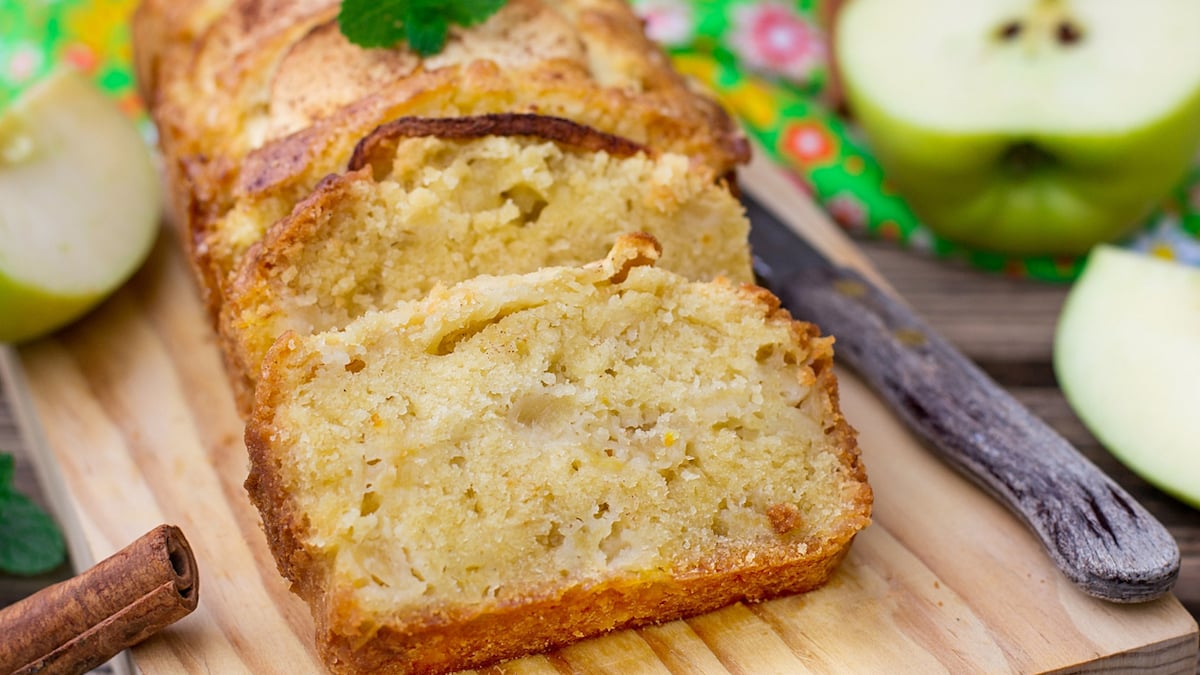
132	424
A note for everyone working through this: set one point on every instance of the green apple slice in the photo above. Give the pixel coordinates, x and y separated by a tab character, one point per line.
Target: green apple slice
1127	356
1026	126
80	204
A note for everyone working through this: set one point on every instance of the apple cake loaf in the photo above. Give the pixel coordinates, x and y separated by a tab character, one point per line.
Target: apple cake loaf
516	462
429	201
472	435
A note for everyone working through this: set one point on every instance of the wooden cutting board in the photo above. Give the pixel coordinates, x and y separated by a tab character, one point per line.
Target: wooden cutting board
132	425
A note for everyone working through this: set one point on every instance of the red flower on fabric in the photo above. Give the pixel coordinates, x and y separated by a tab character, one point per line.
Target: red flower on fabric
848	211
808	143
774	37
25	61
890	230
81	56
800	182
668	22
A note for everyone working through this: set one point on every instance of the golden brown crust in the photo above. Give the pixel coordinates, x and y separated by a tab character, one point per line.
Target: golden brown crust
211	93
283	526
218	58
635	249
323	72
240	355
159	29
464	642
555	89
841	434
380	145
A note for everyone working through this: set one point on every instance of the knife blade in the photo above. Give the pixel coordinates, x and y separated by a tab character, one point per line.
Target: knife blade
1095	532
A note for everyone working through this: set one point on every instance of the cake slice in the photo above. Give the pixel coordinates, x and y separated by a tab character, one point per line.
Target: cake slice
255	101
517	462
431	201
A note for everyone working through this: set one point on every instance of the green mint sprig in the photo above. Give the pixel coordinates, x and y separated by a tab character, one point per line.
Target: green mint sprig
30	542
423	24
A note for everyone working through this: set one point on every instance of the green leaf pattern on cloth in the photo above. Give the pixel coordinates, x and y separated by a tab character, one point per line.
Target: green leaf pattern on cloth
91	36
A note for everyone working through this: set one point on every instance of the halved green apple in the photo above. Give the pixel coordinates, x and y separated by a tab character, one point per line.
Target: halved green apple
1026	126
1127	356
80	204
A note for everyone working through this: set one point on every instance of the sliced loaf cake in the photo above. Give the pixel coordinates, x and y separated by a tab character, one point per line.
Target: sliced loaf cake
517	462
431	201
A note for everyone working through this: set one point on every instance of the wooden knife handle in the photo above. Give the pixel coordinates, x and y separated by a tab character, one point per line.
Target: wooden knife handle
1098	535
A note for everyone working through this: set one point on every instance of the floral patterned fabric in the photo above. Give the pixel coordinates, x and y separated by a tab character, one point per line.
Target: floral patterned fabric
91	36
767	60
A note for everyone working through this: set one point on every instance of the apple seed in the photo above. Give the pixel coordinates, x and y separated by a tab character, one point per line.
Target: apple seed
1009	31
1068	33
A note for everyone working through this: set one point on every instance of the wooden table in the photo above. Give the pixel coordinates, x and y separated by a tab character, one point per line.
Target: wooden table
1005	325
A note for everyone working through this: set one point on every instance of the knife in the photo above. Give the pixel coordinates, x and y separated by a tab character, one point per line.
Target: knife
1095	532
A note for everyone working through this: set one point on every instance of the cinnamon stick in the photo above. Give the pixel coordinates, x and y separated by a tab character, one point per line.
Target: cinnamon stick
78	624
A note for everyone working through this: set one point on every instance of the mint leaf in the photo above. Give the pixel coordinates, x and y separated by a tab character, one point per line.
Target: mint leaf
471	12
426	35
6	473
29	540
370	24
424	24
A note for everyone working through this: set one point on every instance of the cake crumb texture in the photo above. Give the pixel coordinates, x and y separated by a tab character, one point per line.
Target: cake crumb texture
430	209
517	461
